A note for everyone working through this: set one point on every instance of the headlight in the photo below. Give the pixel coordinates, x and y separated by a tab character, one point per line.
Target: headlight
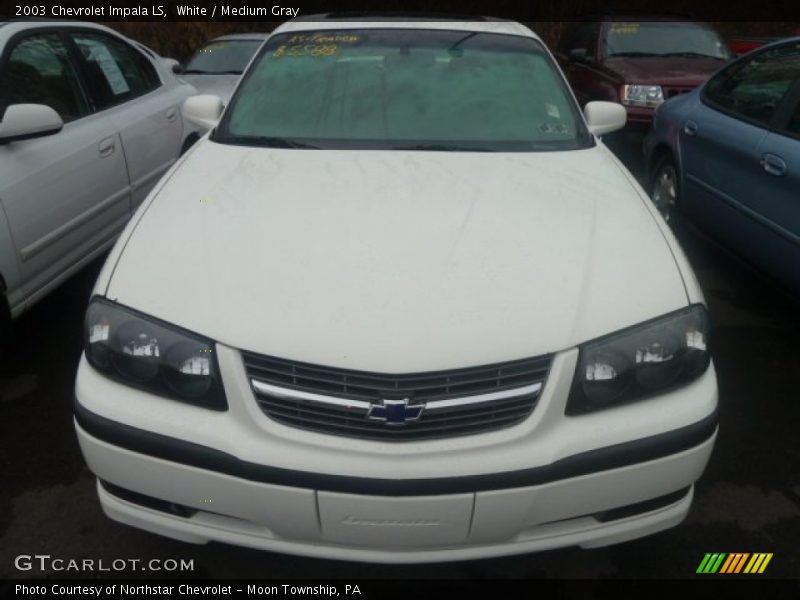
642	95
151	355
641	361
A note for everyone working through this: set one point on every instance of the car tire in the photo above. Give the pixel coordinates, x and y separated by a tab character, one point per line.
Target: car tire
665	191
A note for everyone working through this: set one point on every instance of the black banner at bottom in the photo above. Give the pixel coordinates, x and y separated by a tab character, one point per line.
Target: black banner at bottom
408	588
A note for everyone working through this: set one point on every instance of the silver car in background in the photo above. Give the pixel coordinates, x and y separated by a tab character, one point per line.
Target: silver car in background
217	67
89	122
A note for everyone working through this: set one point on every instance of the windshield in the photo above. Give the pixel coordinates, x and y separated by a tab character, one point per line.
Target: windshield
664	39
404	89
224	56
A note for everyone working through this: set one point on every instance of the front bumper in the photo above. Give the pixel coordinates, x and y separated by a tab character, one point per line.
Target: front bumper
406	529
241	479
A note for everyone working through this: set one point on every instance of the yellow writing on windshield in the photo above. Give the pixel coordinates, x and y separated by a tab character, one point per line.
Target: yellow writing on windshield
323	38
305	50
624	28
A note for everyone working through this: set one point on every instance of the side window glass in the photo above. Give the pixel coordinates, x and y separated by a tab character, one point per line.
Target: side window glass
583	37
754	89
590	43
794	121
39	71
116	72
569	37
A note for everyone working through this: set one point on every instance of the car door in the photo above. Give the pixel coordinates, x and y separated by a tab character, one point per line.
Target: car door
776	206
64	195
126	87
721	145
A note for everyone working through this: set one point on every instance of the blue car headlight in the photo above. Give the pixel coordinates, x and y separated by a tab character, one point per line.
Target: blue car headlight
151	355
641	361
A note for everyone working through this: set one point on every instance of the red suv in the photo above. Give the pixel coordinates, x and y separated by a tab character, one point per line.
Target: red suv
639	62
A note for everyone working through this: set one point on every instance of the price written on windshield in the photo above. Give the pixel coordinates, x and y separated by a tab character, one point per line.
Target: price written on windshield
306	50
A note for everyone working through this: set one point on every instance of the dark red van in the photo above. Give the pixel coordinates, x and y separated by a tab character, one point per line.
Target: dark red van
639	62
746	44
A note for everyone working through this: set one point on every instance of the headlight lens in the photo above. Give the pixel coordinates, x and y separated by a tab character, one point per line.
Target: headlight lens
157	357
642	95
641	361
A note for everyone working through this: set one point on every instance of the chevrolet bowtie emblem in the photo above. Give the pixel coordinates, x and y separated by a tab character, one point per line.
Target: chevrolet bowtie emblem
395	412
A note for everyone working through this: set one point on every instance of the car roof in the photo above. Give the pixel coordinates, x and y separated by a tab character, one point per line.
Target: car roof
610	16
793	39
364	15
17	25
242	36
332	21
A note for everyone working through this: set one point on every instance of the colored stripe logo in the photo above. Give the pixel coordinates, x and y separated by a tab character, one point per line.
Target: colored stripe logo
734	563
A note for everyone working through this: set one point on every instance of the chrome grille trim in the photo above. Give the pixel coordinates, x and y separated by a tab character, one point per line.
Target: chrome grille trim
528	390
396	407
289	394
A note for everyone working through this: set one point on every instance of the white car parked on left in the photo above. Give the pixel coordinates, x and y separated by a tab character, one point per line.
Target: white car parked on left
88	124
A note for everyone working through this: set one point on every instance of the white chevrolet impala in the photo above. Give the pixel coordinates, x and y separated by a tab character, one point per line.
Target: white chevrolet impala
401	305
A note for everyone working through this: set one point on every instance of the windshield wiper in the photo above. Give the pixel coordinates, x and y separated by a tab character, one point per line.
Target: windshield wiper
265	141
203	72
441	148
630	54
690	55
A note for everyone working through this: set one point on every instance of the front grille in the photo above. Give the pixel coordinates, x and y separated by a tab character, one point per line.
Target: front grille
669	92
339	401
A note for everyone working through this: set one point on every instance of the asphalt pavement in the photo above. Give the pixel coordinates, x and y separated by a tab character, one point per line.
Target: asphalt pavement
748	500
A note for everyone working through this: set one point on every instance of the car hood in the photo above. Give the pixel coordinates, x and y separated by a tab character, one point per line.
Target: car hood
218	85
675	70
398	261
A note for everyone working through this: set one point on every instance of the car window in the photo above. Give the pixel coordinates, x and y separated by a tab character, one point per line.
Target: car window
584	36
753	88
223	56
405	88
794	121
115	71
39	71
146	50
663	38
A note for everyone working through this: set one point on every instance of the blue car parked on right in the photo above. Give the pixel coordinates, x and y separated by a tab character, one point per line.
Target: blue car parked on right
727	157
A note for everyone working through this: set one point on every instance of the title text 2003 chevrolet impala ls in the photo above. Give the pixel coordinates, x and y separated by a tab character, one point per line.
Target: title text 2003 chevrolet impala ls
401	305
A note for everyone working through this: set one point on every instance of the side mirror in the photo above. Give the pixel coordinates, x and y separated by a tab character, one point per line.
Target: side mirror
605	117
578	55
203	110
26	121
172	64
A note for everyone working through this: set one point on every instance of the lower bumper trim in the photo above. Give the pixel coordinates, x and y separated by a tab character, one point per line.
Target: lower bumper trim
633	510
148	501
